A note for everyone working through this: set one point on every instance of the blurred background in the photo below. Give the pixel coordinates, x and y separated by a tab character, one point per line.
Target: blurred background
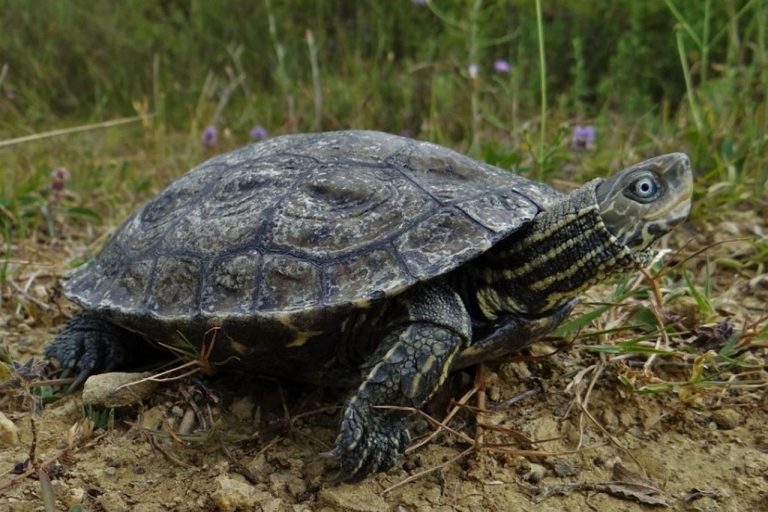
642	76
102	103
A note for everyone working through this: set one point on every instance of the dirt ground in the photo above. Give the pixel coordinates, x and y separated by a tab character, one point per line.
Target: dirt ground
708	453
564	431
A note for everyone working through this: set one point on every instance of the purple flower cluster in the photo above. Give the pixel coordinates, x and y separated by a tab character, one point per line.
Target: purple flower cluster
583	137
502	66
210	136
258	132
59	178
499	65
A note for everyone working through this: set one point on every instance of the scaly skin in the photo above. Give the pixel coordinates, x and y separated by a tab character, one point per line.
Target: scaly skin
88	345
411	363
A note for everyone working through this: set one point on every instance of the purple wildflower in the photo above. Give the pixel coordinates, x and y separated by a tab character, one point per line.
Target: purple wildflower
583	137
59	178
502	66
210	136
473	70
258	132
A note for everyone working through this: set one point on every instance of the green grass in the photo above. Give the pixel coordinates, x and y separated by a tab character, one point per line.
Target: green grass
653	76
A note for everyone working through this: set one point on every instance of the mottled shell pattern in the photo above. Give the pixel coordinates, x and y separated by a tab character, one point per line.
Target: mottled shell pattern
305	223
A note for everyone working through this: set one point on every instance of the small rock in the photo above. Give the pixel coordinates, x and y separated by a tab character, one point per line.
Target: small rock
609	417
40	292
66	407
9	432
626	419
187	422
151	418
242	408
516	372
563	468
113	501
232	495
535	473
352	497
117	389
726	419
74	496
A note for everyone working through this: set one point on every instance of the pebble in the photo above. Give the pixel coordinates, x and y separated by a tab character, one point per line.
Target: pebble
9	432
242	408
563	468
75	496
111	389
151	418
353	498
187	422
232	495
727	418
535	473
113	501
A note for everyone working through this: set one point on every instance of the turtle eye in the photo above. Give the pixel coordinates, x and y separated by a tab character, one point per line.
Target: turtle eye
644	189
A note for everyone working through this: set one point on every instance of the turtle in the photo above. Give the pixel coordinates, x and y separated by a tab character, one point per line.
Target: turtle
363	259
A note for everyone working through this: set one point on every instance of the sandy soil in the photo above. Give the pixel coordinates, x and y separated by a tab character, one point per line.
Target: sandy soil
706	452
564	432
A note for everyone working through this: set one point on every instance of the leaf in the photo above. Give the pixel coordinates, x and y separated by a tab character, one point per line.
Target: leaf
46	491
646	319
628	484
82	211
701	301
575	325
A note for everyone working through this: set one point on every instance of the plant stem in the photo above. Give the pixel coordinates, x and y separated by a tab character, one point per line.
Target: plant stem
687	76
473	60
705	44
316	88
542	79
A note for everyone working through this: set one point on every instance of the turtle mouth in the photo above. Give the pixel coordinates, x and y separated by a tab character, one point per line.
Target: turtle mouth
677	211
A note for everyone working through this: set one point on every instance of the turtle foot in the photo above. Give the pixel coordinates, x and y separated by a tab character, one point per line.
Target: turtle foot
88	345
371	440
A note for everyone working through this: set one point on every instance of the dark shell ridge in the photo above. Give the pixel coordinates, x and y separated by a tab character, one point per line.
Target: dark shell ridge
305	223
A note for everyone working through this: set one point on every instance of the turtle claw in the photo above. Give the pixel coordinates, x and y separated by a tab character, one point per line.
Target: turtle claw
79	380
370	441
87	346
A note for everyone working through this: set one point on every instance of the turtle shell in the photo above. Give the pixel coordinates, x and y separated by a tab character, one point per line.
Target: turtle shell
303	224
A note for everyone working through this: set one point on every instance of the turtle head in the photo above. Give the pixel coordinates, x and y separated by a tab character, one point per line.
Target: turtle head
645	201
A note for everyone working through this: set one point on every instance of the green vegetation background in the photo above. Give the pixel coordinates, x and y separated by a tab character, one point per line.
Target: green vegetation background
650	75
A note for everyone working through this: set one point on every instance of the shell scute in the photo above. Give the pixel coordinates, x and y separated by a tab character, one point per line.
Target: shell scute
288	284
367	276
434	245
303	227
175	285
230	283
343	209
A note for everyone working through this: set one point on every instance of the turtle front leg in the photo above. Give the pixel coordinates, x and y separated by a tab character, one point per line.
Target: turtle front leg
511	334
88	345
412	362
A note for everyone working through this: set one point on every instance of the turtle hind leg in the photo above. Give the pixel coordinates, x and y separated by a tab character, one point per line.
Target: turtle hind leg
408	367
88	345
